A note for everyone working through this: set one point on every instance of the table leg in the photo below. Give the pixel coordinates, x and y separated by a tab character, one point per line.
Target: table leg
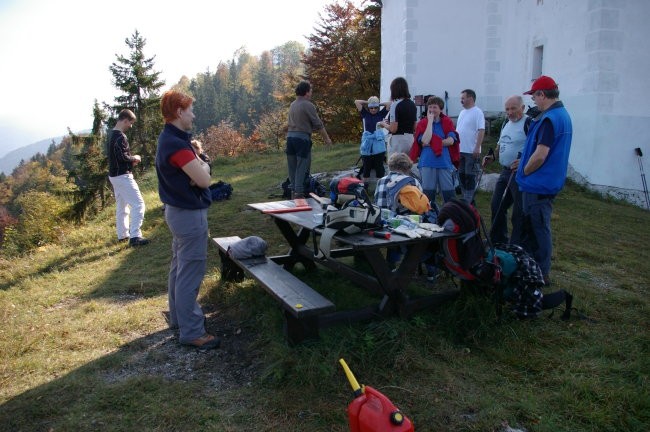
297	241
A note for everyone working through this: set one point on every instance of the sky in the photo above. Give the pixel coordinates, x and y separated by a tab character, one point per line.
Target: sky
55	55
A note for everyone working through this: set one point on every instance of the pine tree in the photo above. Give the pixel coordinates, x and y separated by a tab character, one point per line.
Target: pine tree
135	76
91	168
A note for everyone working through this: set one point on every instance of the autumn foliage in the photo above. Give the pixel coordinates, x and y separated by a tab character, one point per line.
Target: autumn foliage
225	141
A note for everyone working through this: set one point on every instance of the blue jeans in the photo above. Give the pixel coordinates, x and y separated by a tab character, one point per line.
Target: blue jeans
536	233
500	205
437	178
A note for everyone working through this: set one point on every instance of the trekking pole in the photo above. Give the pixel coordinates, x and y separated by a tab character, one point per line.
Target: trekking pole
496	279
479	177
512	174
639	154
505	191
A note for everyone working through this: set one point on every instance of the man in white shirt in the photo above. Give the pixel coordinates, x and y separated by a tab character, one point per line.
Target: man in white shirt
471	129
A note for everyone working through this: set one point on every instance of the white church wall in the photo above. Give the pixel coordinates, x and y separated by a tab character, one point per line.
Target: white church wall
595	49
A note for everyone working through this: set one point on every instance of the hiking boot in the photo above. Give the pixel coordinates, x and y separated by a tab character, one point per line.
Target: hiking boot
204	343
138	241
298	195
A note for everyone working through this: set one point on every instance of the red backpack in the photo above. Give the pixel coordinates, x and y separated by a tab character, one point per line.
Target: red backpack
464	254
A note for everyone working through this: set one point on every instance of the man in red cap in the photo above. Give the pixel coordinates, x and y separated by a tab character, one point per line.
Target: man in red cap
542	169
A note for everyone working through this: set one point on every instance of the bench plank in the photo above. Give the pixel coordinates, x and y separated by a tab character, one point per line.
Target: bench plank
294	295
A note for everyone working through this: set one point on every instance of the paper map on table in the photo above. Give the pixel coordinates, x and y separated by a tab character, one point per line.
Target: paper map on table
285	206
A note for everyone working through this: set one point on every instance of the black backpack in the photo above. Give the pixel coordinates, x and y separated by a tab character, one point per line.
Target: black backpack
220	191
312	185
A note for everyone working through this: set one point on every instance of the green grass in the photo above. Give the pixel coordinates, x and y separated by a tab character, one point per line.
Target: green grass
83	345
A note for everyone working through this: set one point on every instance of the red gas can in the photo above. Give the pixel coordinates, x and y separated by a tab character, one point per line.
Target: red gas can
374	412
371	411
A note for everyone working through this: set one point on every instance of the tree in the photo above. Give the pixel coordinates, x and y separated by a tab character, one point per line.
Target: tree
263	99
343	63
272	127
91	167
135	76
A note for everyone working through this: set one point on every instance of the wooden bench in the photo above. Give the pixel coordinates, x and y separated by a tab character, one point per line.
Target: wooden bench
300	303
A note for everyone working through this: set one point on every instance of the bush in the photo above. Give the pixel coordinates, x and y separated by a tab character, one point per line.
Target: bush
41	221
224	140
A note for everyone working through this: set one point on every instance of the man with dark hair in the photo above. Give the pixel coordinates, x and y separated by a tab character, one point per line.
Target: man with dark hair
542	169
303	120
129	205
471	128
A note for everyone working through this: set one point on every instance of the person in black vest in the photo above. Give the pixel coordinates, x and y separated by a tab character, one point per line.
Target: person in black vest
183	181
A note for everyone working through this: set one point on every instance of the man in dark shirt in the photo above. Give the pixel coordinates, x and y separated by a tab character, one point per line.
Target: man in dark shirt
129	205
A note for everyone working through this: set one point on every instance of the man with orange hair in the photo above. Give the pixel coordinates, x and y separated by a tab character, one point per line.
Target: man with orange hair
183	180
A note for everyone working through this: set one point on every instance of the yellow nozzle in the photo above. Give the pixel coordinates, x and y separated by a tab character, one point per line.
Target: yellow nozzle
356	388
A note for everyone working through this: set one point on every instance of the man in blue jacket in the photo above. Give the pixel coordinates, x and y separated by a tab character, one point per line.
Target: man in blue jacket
542	171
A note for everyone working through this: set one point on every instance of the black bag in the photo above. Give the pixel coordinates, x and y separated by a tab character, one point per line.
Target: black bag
311	185
220	191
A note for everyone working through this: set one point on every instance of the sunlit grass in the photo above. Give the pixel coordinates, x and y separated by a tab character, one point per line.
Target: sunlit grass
78	314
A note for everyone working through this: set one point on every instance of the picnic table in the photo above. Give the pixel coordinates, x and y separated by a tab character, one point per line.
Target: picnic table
305	310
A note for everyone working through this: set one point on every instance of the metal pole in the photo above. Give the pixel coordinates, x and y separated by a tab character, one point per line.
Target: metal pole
446	103
639	154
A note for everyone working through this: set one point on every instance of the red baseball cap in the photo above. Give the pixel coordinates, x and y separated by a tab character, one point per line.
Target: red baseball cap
542	83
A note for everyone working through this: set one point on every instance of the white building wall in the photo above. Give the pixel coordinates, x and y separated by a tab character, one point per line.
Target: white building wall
597	51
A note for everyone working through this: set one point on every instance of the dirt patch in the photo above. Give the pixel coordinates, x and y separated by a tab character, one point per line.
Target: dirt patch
232	365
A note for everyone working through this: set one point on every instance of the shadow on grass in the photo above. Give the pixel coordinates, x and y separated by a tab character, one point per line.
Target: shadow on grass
139	386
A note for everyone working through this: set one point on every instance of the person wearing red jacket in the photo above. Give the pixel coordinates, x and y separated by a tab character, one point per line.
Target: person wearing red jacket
437	146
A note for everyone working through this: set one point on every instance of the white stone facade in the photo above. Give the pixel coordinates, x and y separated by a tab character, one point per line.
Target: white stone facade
596	50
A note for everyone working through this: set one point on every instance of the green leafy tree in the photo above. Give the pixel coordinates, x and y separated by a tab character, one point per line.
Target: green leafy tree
140	83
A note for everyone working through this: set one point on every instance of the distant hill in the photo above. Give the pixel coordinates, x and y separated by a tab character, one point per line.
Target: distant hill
11	160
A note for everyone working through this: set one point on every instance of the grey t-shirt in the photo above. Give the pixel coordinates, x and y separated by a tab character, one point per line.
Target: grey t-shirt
511	141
